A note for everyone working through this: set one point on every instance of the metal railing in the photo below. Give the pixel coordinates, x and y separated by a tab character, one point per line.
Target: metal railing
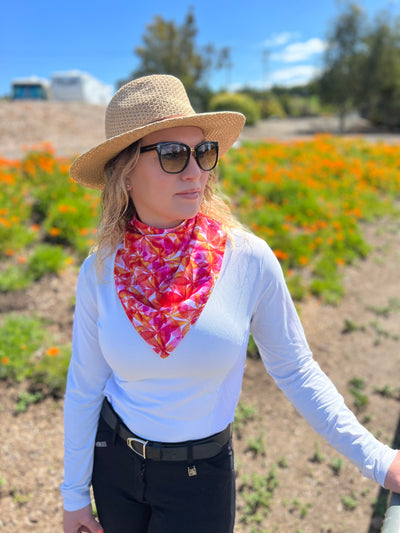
392	516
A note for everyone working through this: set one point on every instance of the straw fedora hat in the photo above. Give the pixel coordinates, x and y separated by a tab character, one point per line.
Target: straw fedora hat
143	106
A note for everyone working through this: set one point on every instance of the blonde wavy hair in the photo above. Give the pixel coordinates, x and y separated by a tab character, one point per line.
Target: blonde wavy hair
117	208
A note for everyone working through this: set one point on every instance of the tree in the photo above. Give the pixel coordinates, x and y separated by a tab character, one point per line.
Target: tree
381	73
340	82
171	49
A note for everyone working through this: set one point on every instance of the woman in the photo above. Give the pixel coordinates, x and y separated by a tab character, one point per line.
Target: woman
163	314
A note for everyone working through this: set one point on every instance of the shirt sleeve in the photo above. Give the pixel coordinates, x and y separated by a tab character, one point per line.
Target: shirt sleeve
87	375
280	338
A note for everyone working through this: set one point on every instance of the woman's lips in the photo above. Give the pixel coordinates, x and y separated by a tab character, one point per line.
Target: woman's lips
190	195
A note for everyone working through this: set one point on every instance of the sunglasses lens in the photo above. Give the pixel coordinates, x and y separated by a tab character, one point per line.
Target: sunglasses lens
173	157
207	155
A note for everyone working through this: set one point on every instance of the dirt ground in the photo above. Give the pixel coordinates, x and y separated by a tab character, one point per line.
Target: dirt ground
316	493
74	127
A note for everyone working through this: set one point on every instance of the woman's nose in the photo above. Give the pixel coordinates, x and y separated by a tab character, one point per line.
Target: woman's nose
192	171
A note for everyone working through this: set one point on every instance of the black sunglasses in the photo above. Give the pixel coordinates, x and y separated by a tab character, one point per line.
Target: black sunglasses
174	156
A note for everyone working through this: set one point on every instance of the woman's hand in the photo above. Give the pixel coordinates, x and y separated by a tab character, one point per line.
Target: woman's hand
392	480
81	520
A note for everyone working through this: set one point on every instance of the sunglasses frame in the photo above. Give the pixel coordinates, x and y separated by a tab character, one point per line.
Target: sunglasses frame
189	152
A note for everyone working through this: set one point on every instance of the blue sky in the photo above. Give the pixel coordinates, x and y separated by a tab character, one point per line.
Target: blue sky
271	42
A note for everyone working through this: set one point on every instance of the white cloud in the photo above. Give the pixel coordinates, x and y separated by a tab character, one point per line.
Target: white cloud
297	75
288	77
279	39
296	52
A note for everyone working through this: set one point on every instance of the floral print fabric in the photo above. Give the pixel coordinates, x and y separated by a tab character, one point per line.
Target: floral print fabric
164	277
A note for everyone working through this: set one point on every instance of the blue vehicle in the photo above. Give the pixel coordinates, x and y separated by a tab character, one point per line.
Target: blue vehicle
32	88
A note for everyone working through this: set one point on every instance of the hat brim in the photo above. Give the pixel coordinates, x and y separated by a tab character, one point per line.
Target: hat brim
222	126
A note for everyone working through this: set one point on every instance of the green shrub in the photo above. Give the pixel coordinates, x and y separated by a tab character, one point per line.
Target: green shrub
14	278
46	259
257	491
49	374
20	338
237	102
300	106
23	356
271	107
70	222
357	390
25	399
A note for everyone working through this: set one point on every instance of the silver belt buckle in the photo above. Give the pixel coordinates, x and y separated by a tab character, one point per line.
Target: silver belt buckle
144	443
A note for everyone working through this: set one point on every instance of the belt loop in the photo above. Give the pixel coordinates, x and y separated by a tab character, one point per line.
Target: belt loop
190	455
191	469
115	432
156	450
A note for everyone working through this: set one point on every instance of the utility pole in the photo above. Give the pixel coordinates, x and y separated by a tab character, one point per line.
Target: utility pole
265	59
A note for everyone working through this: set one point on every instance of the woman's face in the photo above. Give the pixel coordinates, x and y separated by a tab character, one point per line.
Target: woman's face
164	200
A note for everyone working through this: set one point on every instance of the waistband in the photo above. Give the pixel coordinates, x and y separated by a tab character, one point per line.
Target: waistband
165	451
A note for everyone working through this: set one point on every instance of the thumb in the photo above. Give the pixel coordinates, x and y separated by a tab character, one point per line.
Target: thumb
93	527
81	520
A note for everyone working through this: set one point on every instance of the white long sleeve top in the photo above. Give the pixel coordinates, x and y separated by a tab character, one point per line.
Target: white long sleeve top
193	393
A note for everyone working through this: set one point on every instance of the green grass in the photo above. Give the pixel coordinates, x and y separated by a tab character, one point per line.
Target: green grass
257	445
337	465
357	390
349	502
44	259
20	339
28	353
257	491
243	415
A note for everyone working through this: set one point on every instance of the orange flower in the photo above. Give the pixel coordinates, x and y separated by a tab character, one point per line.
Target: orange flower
7	178
64	168
21	260
303	260
4	222
5	360
281	255
53	351
54	232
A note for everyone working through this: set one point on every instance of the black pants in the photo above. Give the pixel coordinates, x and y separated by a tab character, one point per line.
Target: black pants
134	495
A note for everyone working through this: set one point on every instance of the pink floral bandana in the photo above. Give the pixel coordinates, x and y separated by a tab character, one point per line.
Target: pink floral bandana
164	277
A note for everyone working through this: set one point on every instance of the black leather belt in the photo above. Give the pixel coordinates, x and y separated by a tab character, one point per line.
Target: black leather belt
165	451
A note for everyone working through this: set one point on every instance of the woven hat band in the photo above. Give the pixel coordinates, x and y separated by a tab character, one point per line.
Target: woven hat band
145	101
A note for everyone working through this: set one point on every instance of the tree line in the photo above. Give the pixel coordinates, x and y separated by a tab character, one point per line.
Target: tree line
360	70
362	67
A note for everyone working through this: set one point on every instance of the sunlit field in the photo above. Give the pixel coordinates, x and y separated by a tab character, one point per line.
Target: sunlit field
307	199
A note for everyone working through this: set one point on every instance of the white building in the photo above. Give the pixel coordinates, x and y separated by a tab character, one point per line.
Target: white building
68	86
75	85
